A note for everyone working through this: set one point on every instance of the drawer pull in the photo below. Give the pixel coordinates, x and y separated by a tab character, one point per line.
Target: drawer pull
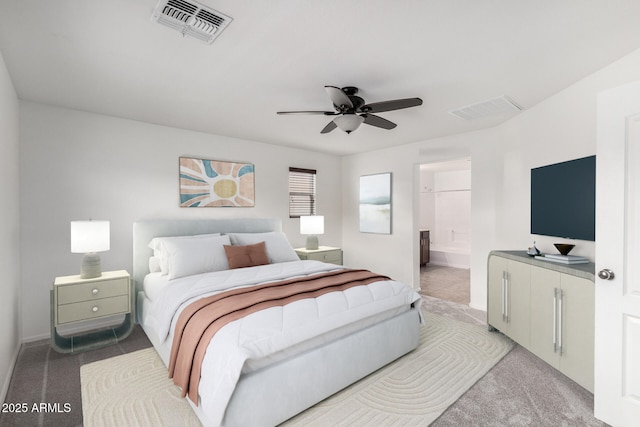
95	308
95	291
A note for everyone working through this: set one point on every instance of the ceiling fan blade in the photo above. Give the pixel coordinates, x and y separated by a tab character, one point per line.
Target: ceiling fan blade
324	113
378	121
329	127
338	97
396	104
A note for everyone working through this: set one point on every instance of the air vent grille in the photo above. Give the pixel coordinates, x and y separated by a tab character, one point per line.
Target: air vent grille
191	19
180	10
499	105
210	17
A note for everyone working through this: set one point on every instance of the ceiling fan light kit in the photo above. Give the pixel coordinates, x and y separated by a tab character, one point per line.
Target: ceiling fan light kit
348	122
352	110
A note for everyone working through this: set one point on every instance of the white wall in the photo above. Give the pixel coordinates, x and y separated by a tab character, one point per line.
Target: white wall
9	229
78	165
560	128
427	200
388	254
445	207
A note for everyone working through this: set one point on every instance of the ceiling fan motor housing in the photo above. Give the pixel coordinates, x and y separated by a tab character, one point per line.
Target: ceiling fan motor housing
350	90
352	110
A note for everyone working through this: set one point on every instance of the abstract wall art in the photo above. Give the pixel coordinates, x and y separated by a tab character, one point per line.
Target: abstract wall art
213	183
375	203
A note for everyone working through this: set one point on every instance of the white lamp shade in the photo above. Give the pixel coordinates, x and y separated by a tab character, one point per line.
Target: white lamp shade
89	236
348	122
312	224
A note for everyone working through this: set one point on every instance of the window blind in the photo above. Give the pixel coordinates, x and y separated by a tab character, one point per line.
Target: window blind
302	192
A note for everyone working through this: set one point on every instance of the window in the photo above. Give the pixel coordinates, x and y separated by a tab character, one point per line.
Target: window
302	192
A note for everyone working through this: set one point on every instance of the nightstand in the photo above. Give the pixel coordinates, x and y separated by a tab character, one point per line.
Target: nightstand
75	300
323	253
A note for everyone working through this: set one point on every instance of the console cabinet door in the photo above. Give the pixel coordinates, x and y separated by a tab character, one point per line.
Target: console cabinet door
544	284
508	304
495	305
566	320
519	301
578	328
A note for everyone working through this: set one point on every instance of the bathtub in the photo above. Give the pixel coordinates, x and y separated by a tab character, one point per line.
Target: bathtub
449	256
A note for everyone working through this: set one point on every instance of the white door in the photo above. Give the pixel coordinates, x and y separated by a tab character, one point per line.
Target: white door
617	322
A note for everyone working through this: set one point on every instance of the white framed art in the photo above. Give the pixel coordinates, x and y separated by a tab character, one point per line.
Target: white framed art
375	203
214	183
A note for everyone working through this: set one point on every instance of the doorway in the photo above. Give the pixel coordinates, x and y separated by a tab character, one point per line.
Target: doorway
445	218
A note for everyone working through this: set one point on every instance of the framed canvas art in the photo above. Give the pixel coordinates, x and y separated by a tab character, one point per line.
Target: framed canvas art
375	203
214	183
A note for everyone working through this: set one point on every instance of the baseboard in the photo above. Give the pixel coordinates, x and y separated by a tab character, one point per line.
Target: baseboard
477	307
35	338
7	381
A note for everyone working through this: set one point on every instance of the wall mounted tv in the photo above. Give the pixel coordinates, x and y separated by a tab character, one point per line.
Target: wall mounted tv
563	199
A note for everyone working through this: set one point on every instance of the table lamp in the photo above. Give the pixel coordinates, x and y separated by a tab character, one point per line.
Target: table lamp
312	226
89	237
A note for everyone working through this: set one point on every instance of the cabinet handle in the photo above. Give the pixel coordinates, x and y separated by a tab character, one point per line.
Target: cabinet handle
95	291
561	297
95	308
555	319
506	296
503	283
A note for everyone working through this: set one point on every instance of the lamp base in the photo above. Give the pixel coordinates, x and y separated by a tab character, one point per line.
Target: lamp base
90	267
312	242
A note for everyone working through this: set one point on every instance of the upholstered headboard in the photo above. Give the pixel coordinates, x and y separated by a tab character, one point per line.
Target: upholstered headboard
144	231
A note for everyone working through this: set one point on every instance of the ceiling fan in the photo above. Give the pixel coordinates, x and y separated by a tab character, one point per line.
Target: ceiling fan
352	110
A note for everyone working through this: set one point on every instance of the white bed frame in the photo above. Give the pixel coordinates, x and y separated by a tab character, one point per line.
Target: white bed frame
277	392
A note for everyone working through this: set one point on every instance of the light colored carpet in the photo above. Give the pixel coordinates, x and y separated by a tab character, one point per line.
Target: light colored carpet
133	389
446	283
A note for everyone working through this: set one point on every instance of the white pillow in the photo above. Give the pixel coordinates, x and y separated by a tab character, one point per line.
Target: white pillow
154	264
187	257
157	244
278	247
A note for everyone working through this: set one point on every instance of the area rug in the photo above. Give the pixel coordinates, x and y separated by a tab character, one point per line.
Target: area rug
133	389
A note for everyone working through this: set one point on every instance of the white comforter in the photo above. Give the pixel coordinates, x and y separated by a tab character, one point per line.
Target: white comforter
274	332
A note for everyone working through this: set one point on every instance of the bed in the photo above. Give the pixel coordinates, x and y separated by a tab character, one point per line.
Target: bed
271	377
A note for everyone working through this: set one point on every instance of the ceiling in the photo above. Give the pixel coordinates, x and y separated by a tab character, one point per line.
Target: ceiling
109	57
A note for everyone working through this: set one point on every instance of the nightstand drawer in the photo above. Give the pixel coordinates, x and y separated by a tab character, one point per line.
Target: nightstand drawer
92	309
79	292
327	256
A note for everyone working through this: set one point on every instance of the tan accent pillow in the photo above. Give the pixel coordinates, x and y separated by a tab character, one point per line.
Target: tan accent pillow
246	256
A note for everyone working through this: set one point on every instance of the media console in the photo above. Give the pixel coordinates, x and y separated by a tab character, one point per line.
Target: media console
547	308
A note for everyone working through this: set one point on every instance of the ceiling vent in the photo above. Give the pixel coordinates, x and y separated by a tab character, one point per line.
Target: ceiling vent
501	104
191	19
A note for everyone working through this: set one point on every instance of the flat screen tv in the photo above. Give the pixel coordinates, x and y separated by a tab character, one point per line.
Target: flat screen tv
563	199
